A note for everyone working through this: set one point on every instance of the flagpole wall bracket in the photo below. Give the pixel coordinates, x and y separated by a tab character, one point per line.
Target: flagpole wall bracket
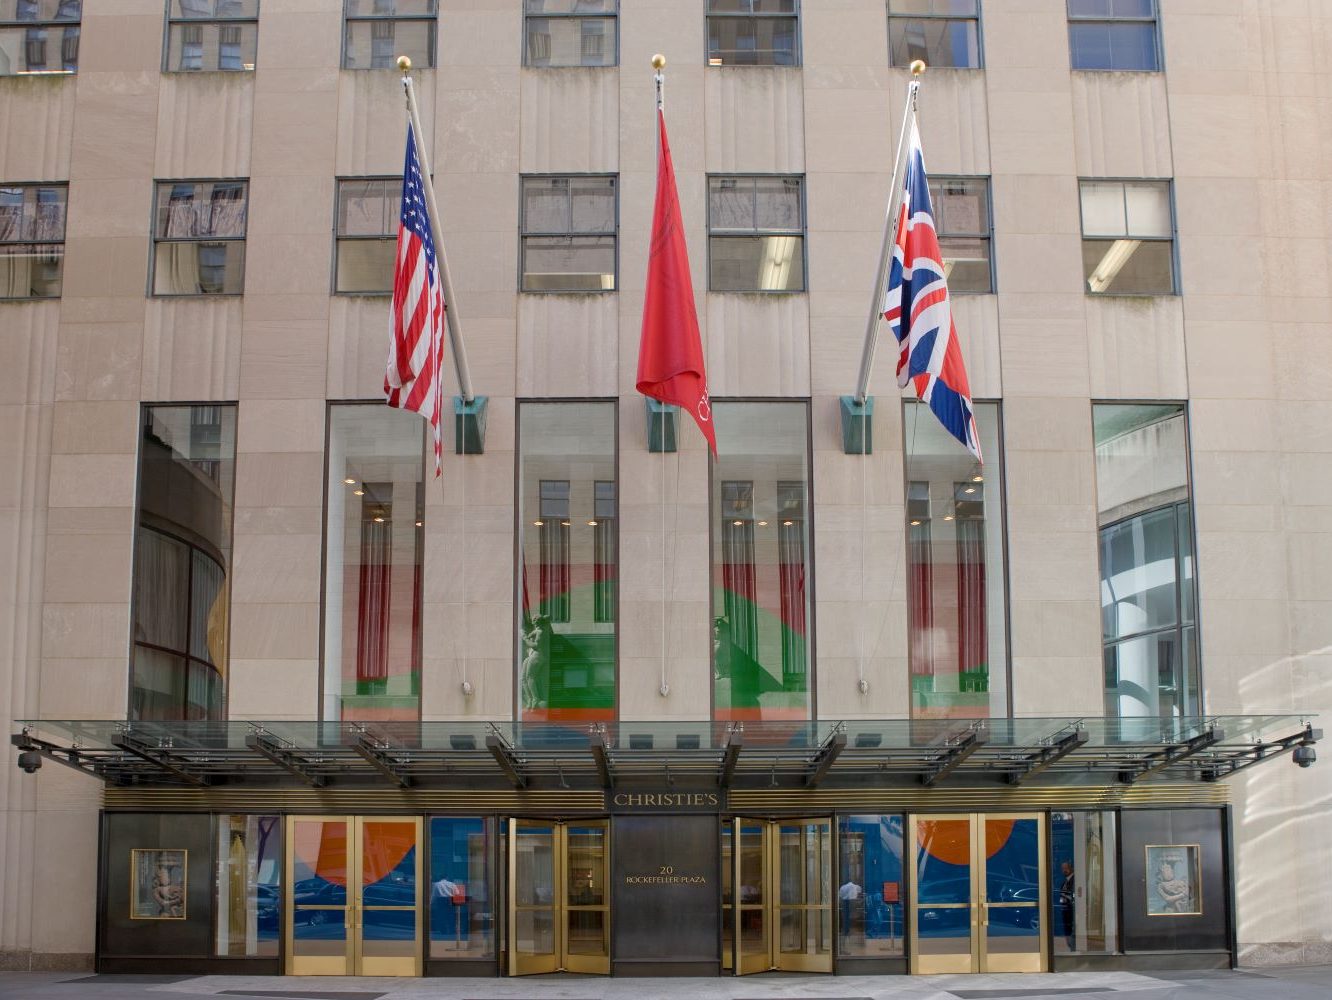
661	419
857	426
469	425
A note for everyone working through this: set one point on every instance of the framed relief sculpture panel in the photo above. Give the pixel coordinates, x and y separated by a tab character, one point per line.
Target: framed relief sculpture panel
1174	881
157	884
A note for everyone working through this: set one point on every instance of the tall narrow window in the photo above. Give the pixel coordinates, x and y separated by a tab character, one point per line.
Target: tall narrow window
32	240
605	551
182	562
568	562
1148	604
955	570
248	885
372	553
760	562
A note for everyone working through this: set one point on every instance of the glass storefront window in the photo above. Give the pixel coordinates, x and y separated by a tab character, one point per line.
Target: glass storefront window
761	540
870	890
1148	615
462	917
1084	910
372	551
955	569
182	561
247	889
567	562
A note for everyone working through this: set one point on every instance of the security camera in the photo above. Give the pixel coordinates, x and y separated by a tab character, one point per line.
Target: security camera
1304	756
31	760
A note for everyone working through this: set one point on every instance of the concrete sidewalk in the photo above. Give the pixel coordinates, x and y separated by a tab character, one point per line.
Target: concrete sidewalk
1283	983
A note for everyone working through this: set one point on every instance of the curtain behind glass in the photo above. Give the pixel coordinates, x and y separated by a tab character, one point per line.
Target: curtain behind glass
373	549
182	559
760	562
955	560
568	570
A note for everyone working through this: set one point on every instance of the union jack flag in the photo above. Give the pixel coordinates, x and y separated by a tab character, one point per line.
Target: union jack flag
416	343
917	309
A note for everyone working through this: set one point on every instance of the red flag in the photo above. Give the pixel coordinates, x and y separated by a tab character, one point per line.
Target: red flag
670	353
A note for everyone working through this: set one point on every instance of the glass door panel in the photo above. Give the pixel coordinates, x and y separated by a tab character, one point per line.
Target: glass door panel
353	896
532	882
728	900
751	875
587	927
978	895
805	888
1013	941
319	940
387	916
943	927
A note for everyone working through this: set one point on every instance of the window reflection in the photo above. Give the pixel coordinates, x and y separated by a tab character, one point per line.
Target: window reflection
568	562
373	548
461	916
1083	906
955	569
869	893
1148	618
248	885
182	559
760	496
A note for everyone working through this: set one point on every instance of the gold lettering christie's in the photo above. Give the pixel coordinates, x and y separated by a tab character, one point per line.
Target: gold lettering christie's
665	799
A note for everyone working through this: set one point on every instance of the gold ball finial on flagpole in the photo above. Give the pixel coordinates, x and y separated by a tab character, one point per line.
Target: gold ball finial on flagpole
917	67
405	64
659	62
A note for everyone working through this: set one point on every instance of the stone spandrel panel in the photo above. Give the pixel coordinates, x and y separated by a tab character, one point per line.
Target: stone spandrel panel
1121	125
203	125
570	121
36	126
191	348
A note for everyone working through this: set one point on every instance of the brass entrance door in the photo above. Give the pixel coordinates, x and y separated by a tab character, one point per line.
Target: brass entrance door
559	903
777	895
353	896
979	895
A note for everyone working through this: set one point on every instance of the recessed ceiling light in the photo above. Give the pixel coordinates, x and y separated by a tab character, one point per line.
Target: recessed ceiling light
419	523
737	523
350	482
915	522
379	520
358	493
787	523
537	524
977	479
763	524
591	524
970	489
948	517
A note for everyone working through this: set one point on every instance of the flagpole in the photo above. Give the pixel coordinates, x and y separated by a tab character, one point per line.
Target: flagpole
659	64
889	236
432	209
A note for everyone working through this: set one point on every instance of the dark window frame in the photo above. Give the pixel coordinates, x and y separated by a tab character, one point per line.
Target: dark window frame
802	233
935	181
797	48
1153	19
612	16
432	38
219	20
57	246
524	234
1172	239
36	36
159	240
390	236
903	17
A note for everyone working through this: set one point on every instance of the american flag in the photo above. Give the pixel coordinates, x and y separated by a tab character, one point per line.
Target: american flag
416	340
916	307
